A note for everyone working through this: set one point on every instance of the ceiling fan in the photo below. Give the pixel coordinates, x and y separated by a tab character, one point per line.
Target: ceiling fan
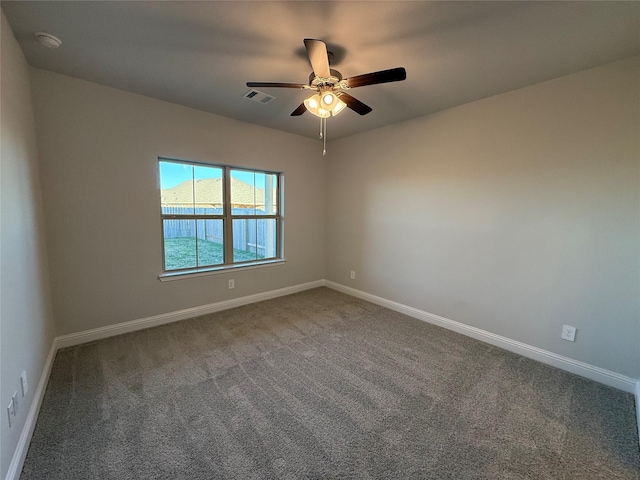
330	97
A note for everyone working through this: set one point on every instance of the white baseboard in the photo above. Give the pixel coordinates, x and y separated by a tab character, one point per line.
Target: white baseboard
586	370
142	323
15	467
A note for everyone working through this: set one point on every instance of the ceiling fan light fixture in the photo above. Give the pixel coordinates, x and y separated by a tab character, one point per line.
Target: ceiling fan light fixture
337	107
328	99
319	106
313	105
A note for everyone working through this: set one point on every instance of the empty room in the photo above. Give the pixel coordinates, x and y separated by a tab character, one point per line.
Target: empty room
319	240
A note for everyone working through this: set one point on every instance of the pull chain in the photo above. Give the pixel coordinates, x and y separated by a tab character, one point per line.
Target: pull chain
323	134
324	138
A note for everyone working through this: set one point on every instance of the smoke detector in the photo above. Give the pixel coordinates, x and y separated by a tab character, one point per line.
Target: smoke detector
48	40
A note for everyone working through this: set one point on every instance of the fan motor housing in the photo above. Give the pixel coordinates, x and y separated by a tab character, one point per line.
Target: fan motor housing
335	78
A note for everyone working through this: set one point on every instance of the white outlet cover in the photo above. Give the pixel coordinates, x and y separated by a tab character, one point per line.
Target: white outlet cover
569	333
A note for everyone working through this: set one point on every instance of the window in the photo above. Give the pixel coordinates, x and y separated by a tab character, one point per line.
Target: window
217	216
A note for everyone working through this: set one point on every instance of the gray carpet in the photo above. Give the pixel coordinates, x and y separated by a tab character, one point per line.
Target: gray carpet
321	385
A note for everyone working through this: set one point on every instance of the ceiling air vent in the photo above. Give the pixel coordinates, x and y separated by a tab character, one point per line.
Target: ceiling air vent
257	96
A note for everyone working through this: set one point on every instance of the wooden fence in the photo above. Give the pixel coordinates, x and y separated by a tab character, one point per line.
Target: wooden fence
249	235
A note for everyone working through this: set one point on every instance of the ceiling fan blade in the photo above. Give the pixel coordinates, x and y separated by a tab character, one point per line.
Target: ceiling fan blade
317	51
299	111
354	104
275	85
383	76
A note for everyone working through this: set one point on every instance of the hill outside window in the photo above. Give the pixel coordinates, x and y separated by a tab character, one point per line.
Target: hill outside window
216	217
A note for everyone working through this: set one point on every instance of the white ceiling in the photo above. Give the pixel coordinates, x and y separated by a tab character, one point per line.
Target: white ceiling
200	54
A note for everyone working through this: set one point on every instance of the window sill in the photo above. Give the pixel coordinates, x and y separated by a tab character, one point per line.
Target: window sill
201	272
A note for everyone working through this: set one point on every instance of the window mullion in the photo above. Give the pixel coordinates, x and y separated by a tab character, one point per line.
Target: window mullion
227	222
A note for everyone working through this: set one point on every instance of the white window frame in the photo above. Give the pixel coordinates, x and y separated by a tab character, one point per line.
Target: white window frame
227	218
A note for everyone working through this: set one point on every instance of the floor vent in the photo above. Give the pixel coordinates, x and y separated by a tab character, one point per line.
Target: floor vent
258	96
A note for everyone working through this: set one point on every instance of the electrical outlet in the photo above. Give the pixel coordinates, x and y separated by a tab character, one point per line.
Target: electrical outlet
232	284
14	401
9	409
569	333
353	275
23	384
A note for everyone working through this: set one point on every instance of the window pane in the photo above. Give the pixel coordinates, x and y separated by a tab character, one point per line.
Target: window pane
259	192
271	194
244	240
176	188
208	190
266	186
210	242
267	234
243	201
179	244
254	193
254	239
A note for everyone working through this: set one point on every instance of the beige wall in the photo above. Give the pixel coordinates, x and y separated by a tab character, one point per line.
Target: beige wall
26	322
99	149
514	214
